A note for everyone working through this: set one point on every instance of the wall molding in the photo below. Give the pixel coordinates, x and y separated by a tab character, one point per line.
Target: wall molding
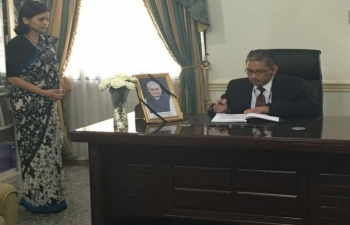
336	87
327	86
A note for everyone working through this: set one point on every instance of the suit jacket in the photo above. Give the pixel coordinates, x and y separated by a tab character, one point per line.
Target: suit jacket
290	97
159	105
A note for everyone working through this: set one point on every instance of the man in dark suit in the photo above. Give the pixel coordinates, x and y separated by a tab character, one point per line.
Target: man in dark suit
265	91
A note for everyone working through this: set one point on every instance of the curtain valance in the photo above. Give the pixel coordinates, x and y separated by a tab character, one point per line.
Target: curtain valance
199	12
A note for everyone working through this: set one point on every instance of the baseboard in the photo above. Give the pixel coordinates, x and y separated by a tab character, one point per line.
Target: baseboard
9	174
75	162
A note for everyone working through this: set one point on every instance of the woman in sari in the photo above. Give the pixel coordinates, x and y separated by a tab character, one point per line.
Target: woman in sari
32	69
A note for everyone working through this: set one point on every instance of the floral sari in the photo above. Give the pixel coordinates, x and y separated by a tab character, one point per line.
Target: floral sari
39	134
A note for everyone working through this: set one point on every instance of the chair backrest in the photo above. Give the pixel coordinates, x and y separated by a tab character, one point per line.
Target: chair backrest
303	63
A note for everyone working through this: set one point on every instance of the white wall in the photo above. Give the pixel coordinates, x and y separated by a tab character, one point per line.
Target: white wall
238	26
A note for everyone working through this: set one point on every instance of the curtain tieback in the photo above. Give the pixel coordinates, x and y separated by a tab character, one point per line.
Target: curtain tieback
190	67
66	85
205	65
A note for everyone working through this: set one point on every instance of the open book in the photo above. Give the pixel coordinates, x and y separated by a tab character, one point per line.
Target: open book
231	118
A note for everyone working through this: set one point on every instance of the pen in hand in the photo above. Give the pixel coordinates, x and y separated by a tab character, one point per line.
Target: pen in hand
221	102
220	105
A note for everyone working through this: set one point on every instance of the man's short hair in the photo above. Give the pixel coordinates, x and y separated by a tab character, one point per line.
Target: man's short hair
151	83
261	55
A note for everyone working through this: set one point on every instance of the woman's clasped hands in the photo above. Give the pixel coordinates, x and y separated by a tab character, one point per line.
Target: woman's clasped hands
53	94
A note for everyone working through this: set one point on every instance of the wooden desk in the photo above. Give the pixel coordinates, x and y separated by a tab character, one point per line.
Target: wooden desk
227	174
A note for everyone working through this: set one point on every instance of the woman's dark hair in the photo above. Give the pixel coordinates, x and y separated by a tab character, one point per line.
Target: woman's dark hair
28	10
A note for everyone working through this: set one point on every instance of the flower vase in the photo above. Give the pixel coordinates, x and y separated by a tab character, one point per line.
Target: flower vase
119	99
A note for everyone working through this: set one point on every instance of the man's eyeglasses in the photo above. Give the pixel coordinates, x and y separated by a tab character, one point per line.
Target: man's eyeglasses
257	72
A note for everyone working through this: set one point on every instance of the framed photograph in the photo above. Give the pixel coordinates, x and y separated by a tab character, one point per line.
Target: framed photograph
157	98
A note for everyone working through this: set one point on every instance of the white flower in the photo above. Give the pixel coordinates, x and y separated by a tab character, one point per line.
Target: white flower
130	85
118	81
122	76
132	79
104	84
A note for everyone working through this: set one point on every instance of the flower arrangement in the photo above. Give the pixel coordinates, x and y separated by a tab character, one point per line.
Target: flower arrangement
119	86
118	81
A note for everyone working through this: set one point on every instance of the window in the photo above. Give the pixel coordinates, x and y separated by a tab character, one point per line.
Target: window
118	36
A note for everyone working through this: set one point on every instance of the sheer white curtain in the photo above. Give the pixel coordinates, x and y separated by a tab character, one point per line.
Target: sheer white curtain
113	36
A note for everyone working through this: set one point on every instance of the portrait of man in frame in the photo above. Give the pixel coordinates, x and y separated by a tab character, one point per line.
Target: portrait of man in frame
157	98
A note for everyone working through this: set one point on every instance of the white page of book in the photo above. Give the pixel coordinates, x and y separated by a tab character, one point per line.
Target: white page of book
222	117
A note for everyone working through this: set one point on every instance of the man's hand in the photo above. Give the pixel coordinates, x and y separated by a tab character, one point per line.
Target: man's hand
259	110
220	106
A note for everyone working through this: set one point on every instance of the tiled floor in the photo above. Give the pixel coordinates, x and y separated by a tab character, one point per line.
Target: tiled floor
77	197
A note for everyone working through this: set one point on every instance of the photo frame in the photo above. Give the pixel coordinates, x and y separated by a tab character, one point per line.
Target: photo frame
157	98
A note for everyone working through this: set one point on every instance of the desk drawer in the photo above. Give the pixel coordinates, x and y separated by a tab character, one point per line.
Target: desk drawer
332	198
202	188
202	177
200	199
266	181
266	204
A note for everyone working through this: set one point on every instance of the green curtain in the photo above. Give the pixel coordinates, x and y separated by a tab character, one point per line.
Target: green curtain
64	19
68	11
48	3
63	29
198	10
179	31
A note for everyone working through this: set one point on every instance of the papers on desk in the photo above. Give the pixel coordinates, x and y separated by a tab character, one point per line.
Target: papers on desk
232	118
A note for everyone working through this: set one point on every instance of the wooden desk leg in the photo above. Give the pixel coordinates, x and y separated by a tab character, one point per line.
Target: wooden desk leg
96	184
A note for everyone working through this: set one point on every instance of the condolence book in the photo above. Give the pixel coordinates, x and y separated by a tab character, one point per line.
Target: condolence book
241	118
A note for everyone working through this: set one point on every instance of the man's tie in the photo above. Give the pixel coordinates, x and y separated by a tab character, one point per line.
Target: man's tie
260	100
